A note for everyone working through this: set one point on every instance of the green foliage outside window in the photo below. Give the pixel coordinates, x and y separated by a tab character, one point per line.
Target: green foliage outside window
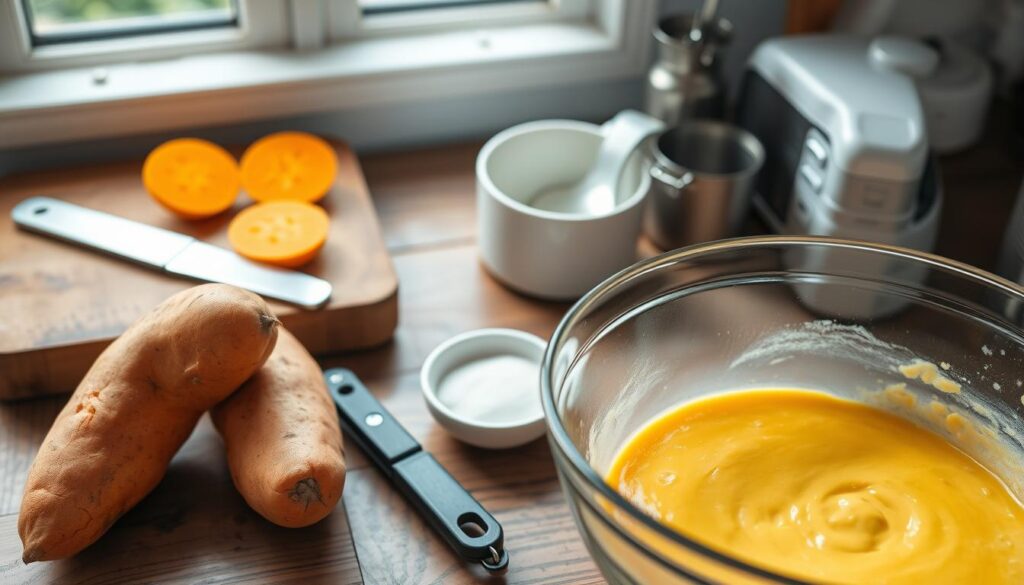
51	12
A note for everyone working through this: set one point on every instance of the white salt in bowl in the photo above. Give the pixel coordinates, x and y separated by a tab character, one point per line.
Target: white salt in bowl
483	387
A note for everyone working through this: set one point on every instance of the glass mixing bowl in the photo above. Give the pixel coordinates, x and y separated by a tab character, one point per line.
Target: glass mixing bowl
772	312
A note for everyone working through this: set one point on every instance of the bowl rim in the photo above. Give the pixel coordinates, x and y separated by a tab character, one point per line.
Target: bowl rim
560	439
509	338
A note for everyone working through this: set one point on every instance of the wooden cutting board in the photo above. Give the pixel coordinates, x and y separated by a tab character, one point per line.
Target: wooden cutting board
60	305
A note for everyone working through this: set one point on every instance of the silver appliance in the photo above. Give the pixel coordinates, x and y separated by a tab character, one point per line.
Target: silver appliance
845	139
846	156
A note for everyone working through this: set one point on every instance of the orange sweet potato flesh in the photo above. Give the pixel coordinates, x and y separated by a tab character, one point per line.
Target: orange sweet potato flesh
112	442
283	440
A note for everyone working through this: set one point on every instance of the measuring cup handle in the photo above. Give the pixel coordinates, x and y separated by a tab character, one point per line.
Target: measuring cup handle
678	184
632	124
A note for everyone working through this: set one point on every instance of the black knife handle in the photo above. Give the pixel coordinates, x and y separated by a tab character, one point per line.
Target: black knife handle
448	507
364	418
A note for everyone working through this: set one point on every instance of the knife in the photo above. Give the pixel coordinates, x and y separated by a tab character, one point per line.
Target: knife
166	251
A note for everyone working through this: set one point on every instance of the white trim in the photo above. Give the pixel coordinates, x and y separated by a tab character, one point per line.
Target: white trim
574	8
225	88
309	25
344	18
14	42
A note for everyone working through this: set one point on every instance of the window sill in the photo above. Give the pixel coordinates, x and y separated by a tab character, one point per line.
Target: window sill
216	89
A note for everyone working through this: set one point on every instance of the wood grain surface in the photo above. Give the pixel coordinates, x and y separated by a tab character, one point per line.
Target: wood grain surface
195	528
425	205
63	304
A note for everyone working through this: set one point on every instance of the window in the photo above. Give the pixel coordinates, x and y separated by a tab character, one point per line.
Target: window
50	22
350	19
54	34
384	6
51	34
72	71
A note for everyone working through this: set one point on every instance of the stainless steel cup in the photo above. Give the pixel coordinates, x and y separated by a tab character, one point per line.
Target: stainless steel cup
702	180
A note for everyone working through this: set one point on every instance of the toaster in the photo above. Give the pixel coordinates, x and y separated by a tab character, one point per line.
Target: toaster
844	133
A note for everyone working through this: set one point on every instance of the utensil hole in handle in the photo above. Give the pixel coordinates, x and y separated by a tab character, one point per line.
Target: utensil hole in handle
40	210
472	525
346	389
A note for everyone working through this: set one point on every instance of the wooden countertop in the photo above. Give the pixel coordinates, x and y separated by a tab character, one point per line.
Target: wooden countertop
425	200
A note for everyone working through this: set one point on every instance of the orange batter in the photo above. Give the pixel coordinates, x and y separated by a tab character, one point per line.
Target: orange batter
824	489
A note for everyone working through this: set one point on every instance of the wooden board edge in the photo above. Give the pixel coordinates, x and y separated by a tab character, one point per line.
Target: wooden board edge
376	322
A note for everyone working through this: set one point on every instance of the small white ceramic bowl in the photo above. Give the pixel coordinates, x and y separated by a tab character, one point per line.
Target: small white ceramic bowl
549	254
463	349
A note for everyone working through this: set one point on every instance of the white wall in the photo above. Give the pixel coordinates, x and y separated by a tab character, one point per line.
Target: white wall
437	122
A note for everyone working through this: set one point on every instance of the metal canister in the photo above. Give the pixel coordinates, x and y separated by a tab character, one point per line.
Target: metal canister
685	81
702	180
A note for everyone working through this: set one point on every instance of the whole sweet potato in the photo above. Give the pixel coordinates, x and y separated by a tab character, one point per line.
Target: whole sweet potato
112	442
283	439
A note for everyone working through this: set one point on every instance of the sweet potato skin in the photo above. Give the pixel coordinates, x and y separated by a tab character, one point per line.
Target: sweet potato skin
283	439
112	442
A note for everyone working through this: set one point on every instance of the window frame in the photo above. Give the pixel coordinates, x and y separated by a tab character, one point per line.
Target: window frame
346	20
261	24
125	26
372	67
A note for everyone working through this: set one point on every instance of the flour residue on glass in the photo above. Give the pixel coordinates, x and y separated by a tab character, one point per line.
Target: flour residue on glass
494	389
825	337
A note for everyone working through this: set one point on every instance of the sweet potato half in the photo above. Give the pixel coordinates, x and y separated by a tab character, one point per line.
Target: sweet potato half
283	439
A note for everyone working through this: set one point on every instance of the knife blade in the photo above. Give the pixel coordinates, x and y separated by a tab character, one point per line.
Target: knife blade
166	251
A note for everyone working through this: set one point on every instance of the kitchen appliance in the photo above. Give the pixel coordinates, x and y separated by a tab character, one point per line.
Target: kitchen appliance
702	175
731	315
845	140
464	524
955	95
167	251
686	82
956	92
